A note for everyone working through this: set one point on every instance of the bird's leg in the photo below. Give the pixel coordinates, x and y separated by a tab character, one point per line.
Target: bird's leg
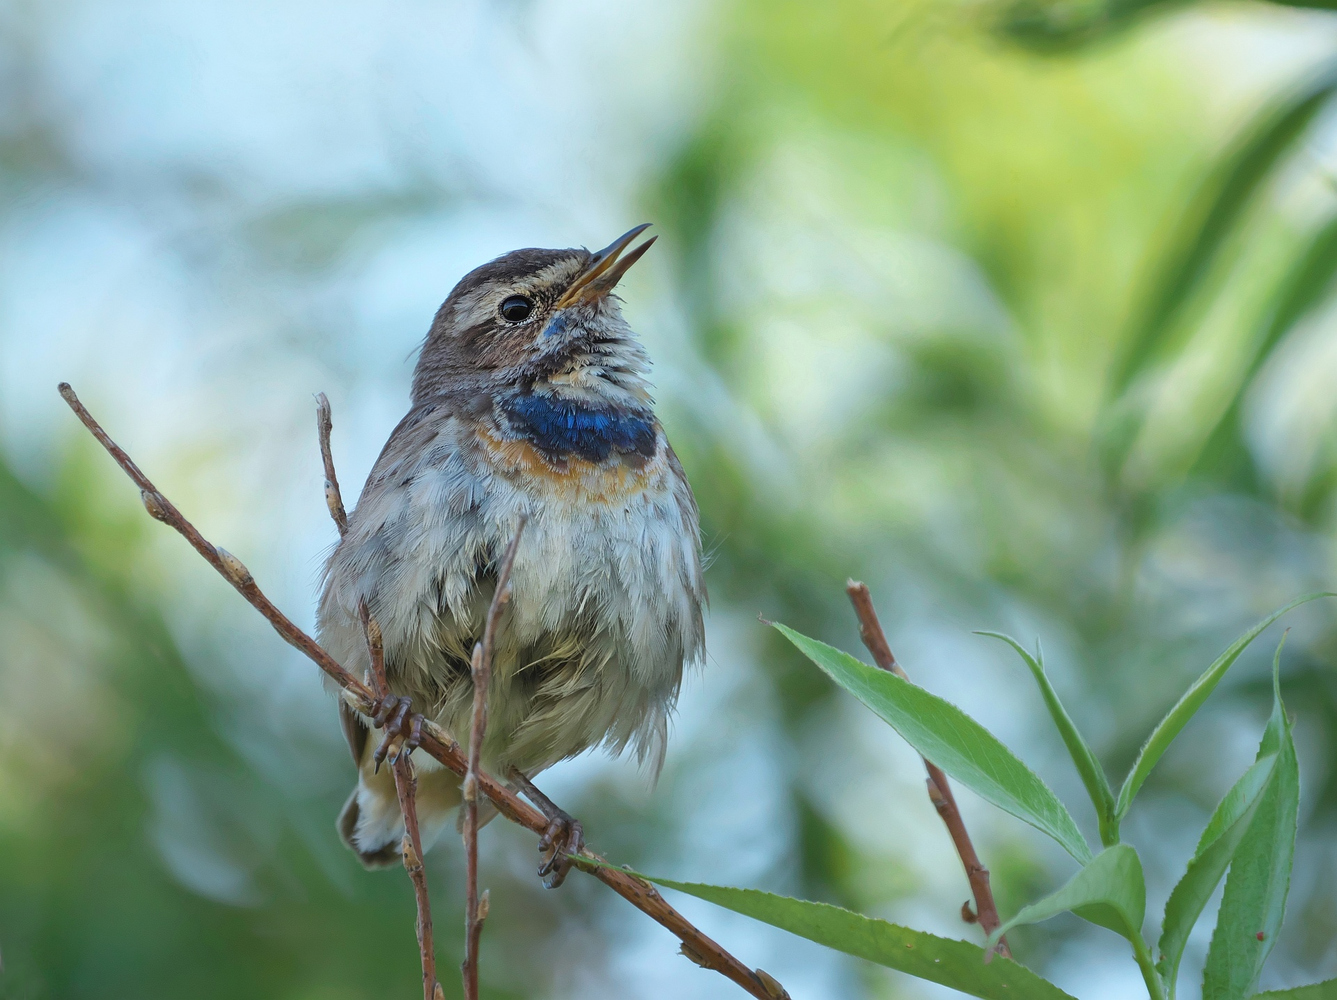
403	728
563	838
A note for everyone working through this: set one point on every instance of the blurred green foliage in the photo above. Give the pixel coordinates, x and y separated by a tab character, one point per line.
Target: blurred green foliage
1000	307
112	721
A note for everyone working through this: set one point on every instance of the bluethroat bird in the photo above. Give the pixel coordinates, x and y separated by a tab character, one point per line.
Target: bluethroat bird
529	400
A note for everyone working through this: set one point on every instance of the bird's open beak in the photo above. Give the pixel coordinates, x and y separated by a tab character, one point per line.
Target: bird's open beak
606	269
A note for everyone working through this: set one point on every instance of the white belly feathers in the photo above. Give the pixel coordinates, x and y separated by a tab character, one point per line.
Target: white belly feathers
606	592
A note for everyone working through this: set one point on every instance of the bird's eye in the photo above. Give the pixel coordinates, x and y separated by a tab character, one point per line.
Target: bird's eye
516	309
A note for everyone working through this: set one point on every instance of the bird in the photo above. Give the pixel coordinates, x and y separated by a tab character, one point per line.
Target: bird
530	403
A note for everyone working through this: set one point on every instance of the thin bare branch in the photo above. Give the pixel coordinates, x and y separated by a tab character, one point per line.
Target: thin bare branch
436	742
406	781
406	786
939	790
642	895
375	650
162	509
333	498
482	676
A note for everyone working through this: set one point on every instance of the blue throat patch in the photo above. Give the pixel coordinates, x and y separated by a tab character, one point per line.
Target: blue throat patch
561	428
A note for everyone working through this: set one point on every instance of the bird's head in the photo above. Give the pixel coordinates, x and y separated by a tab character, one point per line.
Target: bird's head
537	316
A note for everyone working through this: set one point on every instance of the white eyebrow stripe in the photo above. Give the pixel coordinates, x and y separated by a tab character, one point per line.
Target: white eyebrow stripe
479	304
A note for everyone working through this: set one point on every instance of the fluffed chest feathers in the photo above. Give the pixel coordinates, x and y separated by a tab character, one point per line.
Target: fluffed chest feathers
606	586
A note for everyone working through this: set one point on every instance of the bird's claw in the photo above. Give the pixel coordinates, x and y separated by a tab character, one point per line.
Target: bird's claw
563	839
402	725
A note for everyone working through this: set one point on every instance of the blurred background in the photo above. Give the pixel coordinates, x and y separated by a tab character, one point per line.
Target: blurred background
1017	309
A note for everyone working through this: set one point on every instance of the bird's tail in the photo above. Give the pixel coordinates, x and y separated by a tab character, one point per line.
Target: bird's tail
371	823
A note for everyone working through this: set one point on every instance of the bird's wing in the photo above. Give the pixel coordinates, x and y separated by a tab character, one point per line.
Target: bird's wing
404	447
407	443
354	731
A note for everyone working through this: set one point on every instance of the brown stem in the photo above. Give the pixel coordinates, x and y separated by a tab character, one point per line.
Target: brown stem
438	744
642	895
333	498
406	786
375	650
406	782
162	509
939	790
482	674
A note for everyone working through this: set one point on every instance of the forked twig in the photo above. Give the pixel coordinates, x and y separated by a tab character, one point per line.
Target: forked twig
475	912
406	783
435	741
939	790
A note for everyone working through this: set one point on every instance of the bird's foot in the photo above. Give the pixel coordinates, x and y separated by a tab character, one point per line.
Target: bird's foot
402	725
563	839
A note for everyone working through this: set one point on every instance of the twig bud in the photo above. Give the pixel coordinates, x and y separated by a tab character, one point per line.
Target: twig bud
358	703
432	731
153	504
935	795
470	787
411	860
236	570
374	637
773	988
692	955
484	904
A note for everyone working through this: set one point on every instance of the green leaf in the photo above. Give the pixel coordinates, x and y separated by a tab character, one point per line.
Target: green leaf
1254	903
1092	774
945	735
958	964
1168	728
1213	209
1307	4
1110	892
1326	990
1302	288
1216	847
1056	27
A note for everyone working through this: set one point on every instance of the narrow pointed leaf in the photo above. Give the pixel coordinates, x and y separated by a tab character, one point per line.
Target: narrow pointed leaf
1110	892
958	964
1177	718
1218	202
1301	290
1092	774
1254	903
945	735
1216	847
1326	990
1050	29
